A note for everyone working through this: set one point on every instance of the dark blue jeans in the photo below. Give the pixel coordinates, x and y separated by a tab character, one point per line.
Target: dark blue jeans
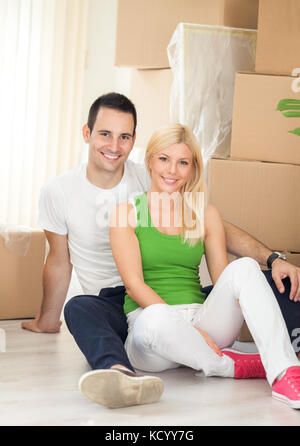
99	325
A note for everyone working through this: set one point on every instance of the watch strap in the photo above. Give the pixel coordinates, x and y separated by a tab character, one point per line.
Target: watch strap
273	256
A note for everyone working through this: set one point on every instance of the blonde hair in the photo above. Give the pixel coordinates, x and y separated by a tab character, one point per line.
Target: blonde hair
191	200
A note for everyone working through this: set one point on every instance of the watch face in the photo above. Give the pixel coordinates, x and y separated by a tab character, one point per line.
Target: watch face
283	257
280	255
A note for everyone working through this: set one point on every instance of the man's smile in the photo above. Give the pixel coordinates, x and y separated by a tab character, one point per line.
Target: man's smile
110	157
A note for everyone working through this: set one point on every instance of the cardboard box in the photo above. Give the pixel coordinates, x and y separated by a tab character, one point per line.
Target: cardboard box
204	61
260	198
278	37
259	130
21	274
144	28
245	335
293	257
150	92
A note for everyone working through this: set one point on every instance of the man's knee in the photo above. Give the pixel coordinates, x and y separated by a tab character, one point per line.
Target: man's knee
75	306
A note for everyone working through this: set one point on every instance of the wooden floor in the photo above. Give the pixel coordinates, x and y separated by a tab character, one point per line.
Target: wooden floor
39	387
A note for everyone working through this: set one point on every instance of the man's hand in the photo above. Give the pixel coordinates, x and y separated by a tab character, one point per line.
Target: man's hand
56	280
282	269
39	326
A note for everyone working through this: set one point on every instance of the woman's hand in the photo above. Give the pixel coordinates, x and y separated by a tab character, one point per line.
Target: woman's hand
210	342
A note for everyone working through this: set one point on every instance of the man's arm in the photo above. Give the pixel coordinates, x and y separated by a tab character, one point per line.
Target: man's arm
242	244
56	279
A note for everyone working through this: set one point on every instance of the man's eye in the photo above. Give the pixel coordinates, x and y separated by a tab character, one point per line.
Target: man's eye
125	137
104	134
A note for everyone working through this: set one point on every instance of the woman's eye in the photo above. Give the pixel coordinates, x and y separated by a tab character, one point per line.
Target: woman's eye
163	158
184	163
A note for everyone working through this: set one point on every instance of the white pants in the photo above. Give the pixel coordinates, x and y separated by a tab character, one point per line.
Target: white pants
162	337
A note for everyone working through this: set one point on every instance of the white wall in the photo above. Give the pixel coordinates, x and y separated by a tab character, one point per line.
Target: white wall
101	74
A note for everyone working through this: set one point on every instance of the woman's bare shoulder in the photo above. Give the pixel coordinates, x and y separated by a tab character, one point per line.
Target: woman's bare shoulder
212	217
211	211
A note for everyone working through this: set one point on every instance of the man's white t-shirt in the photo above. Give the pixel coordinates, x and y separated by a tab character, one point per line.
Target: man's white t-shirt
70	204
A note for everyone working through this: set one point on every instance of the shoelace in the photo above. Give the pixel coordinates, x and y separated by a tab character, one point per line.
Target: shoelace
293	380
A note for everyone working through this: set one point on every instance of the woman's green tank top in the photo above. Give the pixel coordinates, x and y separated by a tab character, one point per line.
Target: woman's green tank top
170	267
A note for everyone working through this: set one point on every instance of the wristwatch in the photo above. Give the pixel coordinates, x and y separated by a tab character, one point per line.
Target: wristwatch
273	256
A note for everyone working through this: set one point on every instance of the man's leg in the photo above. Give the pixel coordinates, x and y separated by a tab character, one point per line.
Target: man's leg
290	309
99	326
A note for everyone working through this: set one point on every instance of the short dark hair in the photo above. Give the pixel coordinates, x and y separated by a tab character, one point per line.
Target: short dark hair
114	101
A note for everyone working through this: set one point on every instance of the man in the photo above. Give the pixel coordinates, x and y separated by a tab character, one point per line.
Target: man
74	208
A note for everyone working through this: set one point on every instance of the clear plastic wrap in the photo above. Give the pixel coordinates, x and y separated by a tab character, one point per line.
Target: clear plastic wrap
16	238
204	60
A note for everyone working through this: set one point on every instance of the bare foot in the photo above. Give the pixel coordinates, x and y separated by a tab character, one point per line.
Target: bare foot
35	326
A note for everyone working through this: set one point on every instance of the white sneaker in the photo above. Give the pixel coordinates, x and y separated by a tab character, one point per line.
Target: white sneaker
120	388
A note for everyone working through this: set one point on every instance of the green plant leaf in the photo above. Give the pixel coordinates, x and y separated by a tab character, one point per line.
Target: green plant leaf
291	114
288	104
290	108
295	131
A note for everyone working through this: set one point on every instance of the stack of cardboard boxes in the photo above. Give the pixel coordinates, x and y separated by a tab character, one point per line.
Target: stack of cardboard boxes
144	30
258	188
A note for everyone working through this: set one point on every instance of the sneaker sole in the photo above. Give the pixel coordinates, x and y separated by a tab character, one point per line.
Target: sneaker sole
115	389
291	403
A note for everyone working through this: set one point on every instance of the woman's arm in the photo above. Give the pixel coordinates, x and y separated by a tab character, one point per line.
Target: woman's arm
126	251
215	242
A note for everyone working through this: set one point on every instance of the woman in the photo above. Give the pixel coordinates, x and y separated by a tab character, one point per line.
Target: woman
158	239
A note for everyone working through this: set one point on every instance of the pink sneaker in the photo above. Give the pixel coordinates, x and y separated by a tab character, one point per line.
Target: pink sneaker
287	389
246	365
